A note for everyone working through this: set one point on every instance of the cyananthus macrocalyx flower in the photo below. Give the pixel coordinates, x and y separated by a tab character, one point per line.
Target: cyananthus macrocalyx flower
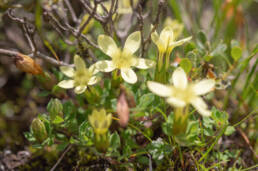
81	77
166	40
181	93
122	59
100	121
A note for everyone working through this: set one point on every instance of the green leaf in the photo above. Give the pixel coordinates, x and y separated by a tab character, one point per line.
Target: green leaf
255	50
86	133
230	130
158	149
236	53
202	37
186	64
219	50
220	117
143	160
114	141
58	120
208	58
146	100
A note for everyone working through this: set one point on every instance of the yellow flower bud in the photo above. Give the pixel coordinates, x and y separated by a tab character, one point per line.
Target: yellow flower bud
100	121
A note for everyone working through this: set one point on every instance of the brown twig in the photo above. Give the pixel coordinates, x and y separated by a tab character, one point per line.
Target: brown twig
88	8
242	133
70	8
61	158
155	25
88	20
140	24
38	54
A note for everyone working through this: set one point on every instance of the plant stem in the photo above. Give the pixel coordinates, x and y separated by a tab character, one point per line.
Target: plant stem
137	129
215	142
247	116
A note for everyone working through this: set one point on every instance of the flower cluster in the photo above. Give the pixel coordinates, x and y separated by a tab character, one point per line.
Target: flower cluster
179	94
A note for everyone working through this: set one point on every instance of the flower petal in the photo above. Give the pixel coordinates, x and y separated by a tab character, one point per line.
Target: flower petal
128	75
80	89
176	102
91	120
66	84
68	71
200	106
143	63
109	119
93	80
160	89
79	63
105	66
133	42
203	86
166	36
107	45
180	42
155	37
179	78
93	69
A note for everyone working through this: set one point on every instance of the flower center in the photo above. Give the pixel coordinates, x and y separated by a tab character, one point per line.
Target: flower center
122	59
82	77
183	94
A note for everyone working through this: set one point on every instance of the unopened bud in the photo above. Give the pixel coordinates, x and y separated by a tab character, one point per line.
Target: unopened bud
55	108
39	130
27	64
122	110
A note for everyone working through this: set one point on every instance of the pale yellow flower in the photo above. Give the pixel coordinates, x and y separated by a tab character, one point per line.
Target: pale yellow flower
122	59
100	121
181	93
81	77
176	26
166	40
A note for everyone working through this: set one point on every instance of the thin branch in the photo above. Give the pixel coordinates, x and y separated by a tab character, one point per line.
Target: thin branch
155	24
61	158
88	20
140	21
29	34
89	10
70	8
51	59
8	52
57	25
38	54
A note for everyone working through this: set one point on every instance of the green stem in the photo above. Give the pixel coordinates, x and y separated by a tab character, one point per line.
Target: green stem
180	155
137	129
249	168
247	116
215	142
